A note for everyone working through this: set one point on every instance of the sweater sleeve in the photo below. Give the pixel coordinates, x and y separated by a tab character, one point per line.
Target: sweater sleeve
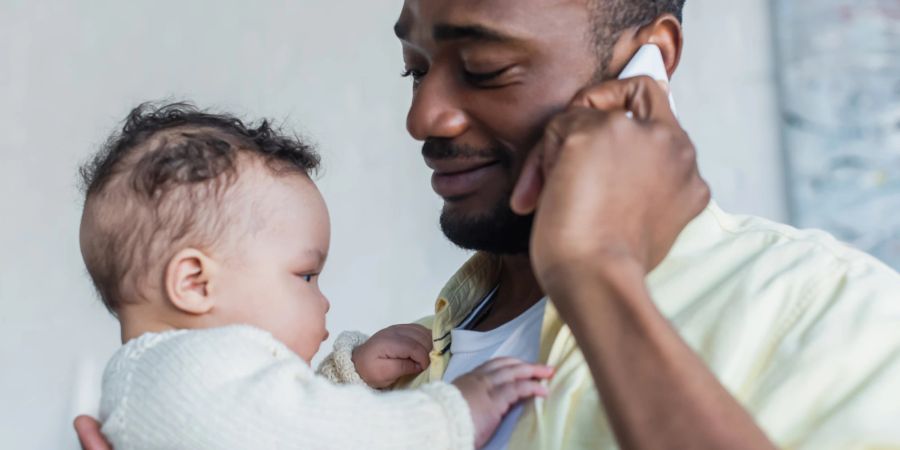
237	388
338	366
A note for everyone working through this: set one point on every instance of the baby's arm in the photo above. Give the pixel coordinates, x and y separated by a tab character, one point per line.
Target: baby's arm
237	388
381	360
338	366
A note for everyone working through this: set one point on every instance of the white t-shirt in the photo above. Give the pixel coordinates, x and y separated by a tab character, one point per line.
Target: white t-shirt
519	338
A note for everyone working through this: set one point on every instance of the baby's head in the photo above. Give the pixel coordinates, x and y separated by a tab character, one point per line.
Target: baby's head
196	220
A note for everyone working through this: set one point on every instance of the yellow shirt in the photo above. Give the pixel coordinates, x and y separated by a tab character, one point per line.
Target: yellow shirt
801	329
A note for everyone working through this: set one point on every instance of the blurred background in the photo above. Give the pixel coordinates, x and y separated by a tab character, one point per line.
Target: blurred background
794	107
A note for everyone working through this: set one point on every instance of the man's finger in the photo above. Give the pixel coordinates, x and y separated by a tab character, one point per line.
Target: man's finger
642	96
543	157
528	188
88	430
527	191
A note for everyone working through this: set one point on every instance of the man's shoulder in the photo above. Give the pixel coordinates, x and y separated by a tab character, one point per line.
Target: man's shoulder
741	284
770	236
723	247
811	258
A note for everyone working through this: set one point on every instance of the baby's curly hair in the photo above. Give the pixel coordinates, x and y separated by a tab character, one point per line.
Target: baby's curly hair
161	183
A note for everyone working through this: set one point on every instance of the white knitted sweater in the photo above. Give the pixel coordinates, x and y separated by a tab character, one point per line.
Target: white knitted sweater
237	387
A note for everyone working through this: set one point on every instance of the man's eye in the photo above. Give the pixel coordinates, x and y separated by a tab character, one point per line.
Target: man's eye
478	78
307	277
416	75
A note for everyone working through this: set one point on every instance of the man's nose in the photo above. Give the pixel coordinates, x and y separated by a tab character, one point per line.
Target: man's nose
327	304
435	111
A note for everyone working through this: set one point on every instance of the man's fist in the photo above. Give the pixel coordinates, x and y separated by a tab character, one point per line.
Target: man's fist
613	180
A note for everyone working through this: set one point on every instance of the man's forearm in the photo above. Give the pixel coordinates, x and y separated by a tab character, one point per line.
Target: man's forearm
657	392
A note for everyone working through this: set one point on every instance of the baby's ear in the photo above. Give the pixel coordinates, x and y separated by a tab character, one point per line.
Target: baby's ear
187	281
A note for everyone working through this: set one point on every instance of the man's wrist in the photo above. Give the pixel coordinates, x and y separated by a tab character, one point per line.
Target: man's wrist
609	267
588	286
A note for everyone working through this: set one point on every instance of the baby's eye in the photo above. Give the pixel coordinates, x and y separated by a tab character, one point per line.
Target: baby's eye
307	277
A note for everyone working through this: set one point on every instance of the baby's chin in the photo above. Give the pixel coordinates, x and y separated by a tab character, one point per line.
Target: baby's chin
308	351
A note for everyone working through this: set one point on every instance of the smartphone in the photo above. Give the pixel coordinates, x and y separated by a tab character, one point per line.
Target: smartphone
649	61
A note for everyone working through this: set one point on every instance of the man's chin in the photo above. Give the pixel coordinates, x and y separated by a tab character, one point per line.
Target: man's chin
494	230
472	205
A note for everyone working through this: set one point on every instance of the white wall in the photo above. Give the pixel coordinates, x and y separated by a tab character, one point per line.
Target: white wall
726	95
70	70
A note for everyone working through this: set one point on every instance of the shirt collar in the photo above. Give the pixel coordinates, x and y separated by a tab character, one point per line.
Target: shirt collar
475	279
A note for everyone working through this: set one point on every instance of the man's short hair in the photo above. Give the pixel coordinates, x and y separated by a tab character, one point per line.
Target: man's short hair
611	17
158	185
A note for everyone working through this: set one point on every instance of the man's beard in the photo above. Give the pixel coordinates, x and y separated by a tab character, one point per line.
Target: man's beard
500	230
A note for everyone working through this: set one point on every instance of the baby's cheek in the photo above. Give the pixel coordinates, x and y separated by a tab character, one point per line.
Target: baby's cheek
306	344
308	350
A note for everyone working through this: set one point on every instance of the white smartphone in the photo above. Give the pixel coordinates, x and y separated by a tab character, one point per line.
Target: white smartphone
649	61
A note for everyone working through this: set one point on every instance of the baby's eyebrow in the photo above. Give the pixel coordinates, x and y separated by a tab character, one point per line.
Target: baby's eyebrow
316	254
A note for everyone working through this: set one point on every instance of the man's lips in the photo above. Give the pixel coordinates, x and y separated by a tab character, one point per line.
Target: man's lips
456	178
456	165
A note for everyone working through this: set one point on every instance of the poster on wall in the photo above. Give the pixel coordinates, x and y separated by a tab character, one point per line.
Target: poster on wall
839	68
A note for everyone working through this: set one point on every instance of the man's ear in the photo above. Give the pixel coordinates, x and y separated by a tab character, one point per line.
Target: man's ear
664	31
187	280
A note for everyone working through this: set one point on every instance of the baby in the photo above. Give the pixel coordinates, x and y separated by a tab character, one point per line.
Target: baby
205	237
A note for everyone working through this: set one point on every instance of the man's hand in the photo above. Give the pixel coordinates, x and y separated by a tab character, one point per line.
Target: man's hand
613	183
606	185
493	388
88	430
392	353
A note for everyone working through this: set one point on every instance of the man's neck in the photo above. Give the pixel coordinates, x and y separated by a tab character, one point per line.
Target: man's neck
518	291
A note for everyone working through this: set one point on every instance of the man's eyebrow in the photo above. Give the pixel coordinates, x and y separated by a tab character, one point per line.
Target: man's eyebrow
445	32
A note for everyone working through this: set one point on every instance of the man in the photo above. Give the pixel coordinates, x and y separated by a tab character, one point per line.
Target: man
671	324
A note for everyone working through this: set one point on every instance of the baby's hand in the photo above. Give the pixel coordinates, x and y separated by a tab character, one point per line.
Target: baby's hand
392	353
494	387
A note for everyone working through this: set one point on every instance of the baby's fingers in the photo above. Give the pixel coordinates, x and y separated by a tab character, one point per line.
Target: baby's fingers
519	382
405	367
520	371
408	348
511	393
